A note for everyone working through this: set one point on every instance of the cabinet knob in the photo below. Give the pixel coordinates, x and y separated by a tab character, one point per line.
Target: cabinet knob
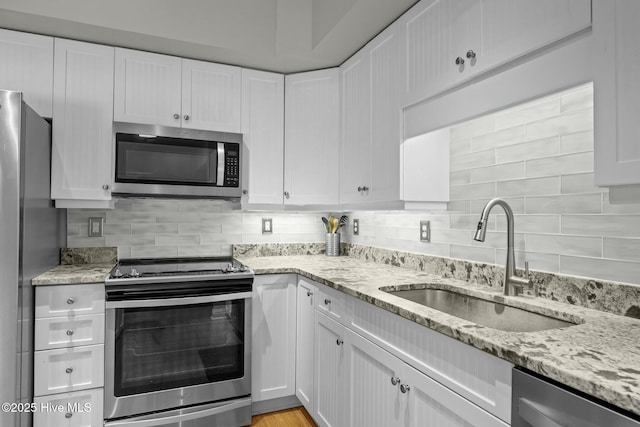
245	192
70	301
186	117
69	332
359	189
404	388
365	188
459	60
68	415
309	293
176	116
327	301
471	54
68	370
395	380
339	341
286	194
105	186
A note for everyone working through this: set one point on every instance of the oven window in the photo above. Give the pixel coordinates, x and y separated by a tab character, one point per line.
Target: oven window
169	347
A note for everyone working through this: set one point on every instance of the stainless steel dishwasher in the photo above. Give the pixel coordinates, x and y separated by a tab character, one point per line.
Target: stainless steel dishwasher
540	402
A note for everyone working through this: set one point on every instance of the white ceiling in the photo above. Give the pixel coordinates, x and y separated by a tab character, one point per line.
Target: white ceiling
276	35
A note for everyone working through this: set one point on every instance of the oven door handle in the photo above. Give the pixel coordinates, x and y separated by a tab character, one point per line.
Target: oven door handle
164	302
180	415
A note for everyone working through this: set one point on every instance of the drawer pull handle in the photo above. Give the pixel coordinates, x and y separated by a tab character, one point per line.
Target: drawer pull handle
69	332
68	370
68	415
70	301
404	388
395	380
309	293
339	341
327	301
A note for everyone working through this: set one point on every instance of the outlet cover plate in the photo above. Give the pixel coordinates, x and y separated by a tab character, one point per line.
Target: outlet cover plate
96	227
356	227
425	231
267	226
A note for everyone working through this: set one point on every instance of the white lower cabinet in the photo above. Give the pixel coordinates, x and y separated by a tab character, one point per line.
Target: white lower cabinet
68	361
373	368
305	345
329	372
273	346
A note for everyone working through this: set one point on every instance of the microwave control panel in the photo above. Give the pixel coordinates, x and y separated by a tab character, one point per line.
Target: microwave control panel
232	165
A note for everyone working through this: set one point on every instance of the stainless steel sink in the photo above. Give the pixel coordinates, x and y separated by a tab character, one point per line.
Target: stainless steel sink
483	312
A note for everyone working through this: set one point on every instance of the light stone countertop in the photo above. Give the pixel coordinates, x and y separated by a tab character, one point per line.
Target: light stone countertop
74	274
600	356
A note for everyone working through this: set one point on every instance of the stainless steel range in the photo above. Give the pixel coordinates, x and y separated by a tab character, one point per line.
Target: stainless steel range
178	343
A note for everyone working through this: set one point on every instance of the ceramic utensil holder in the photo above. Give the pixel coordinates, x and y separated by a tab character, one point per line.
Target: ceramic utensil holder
333	244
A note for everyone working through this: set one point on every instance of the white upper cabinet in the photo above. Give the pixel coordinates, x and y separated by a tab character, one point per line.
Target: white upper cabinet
263	135
446	43
312	138
26	65
370	122
166	90
81	158
616	92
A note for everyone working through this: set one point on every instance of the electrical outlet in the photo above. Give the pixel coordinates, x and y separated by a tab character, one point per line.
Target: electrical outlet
96	226
425	231
267	225
356	227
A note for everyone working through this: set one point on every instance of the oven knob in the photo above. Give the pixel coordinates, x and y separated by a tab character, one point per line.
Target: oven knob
117	274
134	273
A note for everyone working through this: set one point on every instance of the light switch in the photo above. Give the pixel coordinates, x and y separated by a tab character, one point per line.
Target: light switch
96	226
267	226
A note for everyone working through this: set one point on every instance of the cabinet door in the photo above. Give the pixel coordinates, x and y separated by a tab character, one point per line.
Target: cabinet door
148	88
373	384
384	153
77	409
617	92
211	96
263	135
312	138
512	28
355	167
329	372
82	146
273	347
430	403
434	33
26	65
305	349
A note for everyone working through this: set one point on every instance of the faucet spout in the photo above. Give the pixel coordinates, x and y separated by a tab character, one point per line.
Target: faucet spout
512	283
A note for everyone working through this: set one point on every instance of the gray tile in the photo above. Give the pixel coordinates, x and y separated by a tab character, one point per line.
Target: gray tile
204	250
579	98
154	205
154	251
126	217
577	142
528	150
110	229
529	187
567	164
575	121
537	261
431	248
473	253
516	204
178	217
498	138
566	204
623	249
528	112
459	177
154	228
459	206
601	225
480	126
177	239
532	223
579	183
460	146
472	191
473	160
565	245
500	172
86	242
130	240
198	228
599	268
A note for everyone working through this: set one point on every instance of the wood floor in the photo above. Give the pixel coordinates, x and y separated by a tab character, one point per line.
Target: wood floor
294	417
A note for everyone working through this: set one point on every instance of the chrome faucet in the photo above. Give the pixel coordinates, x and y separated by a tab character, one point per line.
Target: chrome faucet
513	284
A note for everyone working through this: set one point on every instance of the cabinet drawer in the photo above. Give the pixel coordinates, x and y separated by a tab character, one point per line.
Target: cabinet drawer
65	300
58	332
68	369
331	302
77	409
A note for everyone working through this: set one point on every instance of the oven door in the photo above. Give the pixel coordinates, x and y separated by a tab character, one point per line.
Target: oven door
168	353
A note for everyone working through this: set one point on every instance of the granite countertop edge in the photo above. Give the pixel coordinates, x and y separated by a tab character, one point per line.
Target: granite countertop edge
599	356
74	274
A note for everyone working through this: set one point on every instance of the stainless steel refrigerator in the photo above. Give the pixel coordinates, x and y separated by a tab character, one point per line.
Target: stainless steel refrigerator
32	232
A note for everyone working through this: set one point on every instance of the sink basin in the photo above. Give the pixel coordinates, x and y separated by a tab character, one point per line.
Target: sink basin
483	312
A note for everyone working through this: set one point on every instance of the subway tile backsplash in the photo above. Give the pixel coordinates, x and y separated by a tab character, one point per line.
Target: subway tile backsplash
538	156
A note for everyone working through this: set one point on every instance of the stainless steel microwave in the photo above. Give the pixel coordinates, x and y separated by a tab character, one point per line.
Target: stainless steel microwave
174	162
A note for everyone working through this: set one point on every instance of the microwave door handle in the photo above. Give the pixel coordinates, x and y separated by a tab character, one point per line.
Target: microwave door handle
221	161
181	416
165	302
